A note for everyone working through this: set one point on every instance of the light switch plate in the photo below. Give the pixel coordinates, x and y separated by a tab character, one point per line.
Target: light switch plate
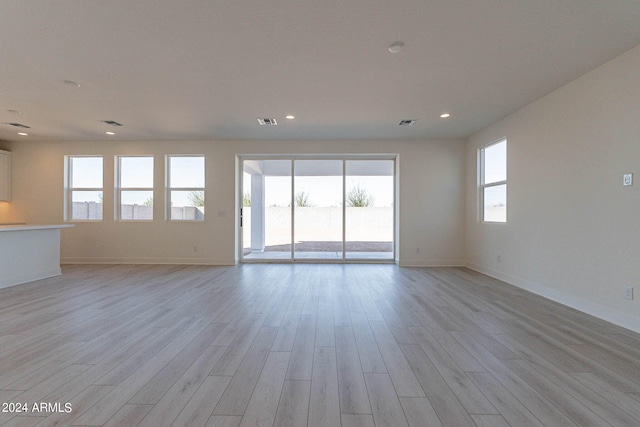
627	179
627	292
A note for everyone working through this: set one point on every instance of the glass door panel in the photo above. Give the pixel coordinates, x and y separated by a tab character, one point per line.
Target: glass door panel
318	198
266	211
369	195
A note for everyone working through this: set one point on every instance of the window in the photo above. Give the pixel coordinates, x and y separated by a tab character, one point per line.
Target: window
134	188
185	188
493	181
84	188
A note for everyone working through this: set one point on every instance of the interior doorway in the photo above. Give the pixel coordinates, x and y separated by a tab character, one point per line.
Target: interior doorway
317	209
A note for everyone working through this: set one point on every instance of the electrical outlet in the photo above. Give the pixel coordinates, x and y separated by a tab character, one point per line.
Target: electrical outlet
628	292
627	179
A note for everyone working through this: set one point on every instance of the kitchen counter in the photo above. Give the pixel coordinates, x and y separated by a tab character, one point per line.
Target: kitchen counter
29	252
26	227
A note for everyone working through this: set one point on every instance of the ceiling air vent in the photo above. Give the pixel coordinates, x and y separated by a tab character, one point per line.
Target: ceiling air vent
406	122
19	125
111	122
267	122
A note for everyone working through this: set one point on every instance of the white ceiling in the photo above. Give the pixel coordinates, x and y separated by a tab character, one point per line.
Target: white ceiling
205	70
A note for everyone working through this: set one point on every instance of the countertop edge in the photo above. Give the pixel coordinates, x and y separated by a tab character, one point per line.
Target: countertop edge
28	227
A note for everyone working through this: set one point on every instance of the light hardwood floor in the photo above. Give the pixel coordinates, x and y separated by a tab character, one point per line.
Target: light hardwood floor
307	344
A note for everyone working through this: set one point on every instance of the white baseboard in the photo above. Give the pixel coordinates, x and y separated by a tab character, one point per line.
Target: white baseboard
230	261
115	260
431	263
30	277
588	307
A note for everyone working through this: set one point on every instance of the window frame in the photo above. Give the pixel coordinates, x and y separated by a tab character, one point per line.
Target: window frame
169	188
70	189
483	186
119	188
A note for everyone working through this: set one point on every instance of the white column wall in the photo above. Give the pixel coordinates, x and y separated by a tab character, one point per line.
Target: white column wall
257	213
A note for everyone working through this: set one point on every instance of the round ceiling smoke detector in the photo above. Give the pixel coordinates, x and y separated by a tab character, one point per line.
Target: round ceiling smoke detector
396	47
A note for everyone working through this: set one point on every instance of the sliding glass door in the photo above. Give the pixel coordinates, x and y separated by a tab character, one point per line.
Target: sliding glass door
266	210
318	216
320	209
369	209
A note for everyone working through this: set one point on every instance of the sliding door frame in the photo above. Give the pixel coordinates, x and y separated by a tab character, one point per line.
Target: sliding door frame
293	158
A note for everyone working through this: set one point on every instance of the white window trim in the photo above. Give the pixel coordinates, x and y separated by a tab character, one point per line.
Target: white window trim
119	188
482	186
69	189
169	189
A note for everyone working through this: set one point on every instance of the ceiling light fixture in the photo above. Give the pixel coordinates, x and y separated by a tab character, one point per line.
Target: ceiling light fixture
396	47
23	134
445	115
14	111
110	133
290	117
71	83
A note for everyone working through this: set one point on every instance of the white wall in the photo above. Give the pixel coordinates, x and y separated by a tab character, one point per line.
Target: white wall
431	214
573	230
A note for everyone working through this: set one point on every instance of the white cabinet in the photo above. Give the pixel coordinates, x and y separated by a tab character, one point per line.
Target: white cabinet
5	176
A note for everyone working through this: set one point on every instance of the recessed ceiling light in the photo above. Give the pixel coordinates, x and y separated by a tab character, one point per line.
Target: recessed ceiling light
15	111
290	117
71	83
110	133
445	115
23	134
396	47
